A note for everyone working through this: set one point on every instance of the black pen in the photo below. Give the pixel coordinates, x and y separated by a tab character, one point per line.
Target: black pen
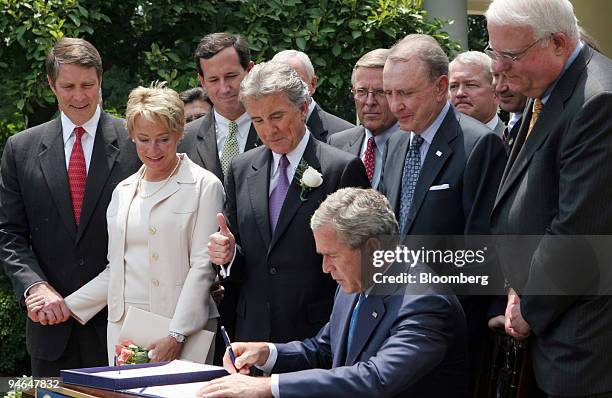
228	345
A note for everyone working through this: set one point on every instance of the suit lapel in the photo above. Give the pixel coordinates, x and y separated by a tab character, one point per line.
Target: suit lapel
53	165
207	146
258	184
437	155
354	146
370	314
292	201
103	157
524	148
347	303
315	124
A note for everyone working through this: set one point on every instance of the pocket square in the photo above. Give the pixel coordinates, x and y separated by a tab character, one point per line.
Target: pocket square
439	187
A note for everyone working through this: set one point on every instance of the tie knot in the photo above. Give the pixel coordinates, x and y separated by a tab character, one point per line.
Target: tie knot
371	143
79	131
284	162
417	141
537	106
233	127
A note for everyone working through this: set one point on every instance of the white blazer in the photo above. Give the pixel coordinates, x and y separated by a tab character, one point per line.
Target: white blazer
181	273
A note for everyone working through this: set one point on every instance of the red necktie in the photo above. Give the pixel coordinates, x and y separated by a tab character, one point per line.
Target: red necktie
77	174
369	158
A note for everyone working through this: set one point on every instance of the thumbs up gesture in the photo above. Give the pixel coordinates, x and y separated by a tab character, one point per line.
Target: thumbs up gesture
221	244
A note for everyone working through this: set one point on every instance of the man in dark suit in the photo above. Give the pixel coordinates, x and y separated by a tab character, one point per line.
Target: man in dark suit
369	141
556	183
321	124
441	175
57	180
514	104
271	193
222	61
471	90
382	340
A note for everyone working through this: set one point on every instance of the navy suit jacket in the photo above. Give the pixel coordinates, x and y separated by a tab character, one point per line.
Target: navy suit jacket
405	344
322	124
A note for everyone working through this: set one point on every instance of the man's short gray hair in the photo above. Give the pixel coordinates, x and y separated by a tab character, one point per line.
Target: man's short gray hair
476	58
357	214
422	47
286	55
373	59
545	17
270	78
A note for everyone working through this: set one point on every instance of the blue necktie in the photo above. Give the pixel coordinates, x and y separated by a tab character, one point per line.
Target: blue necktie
410	176
353	323
277	197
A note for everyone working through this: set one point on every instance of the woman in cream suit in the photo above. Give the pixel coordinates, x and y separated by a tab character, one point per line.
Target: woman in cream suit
159	220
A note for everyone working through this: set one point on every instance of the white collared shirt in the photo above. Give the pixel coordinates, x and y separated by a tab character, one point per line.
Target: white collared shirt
87	141
491	124
222	131
430	132
294	158
381	145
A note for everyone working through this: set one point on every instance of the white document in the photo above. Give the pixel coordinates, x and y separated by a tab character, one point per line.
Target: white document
186	390
173	367
144	328
439	187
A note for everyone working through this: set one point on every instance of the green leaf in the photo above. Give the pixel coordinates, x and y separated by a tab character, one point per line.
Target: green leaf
301	43
336	49
75	19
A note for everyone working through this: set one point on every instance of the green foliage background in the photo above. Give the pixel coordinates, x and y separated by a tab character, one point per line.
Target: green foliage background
141	41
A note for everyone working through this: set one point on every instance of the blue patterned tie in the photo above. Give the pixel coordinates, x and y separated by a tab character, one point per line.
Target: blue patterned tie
410	176
277	197
353	323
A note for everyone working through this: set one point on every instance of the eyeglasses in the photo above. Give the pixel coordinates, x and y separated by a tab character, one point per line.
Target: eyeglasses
506	56
362	93
194	117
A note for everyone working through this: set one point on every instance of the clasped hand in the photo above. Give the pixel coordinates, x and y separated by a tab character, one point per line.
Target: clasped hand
46	306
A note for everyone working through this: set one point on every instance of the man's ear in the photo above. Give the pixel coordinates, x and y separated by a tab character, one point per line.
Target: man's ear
559	40
442	88
201	80
251	65
313	84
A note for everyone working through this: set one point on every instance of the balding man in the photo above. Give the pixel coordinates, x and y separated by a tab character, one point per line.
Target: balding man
471	89
556	186
441	174
320	123
378	124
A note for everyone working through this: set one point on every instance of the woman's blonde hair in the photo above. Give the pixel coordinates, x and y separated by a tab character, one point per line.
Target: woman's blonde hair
156	103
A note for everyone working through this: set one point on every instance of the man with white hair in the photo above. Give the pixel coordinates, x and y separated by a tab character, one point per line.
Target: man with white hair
320	123
556	184
470	88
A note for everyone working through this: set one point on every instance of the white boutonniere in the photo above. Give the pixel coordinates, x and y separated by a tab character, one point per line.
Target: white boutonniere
308	178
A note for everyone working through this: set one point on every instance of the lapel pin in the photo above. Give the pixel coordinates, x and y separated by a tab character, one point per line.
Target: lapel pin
438	153
375	314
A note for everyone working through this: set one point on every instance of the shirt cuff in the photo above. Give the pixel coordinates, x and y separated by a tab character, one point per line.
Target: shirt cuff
25	294
274	386
271	361
224	270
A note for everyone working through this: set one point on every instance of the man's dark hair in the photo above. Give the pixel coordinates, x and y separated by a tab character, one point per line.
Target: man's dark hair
212	44
194	94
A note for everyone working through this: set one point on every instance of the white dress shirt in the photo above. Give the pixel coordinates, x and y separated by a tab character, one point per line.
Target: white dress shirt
87	141
222	131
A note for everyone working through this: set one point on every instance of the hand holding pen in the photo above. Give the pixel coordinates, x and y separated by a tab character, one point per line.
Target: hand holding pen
241	356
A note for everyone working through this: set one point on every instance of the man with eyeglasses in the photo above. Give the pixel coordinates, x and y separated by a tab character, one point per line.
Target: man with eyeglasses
556	183
369	141
442	172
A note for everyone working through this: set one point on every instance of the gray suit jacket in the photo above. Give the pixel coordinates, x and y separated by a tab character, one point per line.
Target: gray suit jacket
557	183
322	124
200	144
39	239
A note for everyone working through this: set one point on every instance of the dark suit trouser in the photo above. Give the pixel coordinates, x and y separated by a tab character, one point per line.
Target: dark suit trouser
85	348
